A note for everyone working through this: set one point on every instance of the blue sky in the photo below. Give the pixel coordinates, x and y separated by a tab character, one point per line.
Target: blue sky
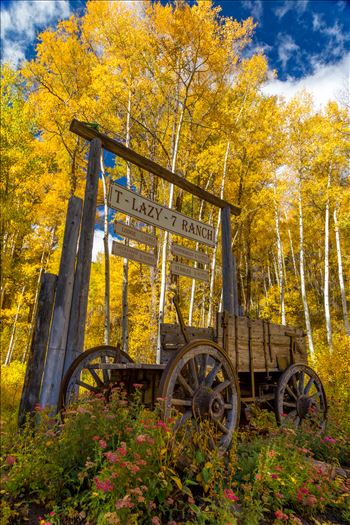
307	42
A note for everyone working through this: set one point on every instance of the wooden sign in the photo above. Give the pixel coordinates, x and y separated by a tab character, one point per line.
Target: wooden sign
187	271
133	233
181	251
132	253
148	211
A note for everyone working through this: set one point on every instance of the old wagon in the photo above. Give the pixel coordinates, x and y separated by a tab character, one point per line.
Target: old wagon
212	373
202	373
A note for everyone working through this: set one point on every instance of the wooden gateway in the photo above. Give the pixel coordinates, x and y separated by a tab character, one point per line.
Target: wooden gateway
207	373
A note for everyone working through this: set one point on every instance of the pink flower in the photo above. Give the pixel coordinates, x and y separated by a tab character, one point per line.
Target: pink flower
137	385
162	425
95	438
102	443
311	500
329	439
112	457
155	520
142	438
124	503
229	494
271	453
10	460
122	449
258	477
281	515
104	485
274	476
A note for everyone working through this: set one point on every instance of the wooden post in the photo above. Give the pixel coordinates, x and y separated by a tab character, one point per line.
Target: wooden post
60	319
227	261
36	360
76	332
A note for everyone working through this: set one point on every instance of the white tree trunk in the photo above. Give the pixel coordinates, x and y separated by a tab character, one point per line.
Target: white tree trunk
279	257
292	249
193	286
11	347
340	274
125	306
166	235
302	275
326	268
107	323
213	262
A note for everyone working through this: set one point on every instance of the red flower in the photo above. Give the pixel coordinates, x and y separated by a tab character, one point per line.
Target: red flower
229	494
102	443
10	460
281	515
105	486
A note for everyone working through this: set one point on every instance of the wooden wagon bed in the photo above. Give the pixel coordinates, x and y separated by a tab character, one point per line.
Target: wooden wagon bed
251	345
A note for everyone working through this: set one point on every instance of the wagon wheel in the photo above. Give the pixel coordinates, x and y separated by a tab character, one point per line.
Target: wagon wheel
300	397
83	380
201	383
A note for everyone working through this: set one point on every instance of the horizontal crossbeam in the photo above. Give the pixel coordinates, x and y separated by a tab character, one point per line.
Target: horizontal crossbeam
87	132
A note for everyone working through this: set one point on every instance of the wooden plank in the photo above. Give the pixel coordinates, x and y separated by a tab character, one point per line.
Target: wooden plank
227	262
181	251
36	360
89	133
188	271
133	253
60	320
133	233
76	331
150	212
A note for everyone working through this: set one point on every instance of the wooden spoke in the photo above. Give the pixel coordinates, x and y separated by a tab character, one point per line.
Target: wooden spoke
315	395
222	386
288	404
293	413
301	382
184	384
290	392
309	385
194	373
221	426
203	367
228	406
88	387
185	417
296	421
212	374
181	402
94	374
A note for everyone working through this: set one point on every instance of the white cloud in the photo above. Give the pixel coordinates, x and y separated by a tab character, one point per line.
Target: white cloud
287	47
328	82
255	7
23	19
299	6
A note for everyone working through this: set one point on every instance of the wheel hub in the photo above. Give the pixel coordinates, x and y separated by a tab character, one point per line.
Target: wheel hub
306	406
206	402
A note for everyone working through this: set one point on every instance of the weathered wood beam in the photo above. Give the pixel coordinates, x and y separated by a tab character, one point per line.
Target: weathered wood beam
60	320
89	133
76	331
36	360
